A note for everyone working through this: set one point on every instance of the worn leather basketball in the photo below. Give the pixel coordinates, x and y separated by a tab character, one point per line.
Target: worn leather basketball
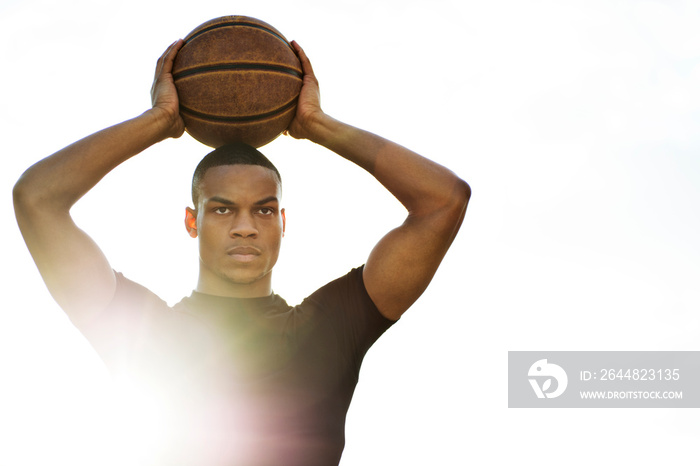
238	80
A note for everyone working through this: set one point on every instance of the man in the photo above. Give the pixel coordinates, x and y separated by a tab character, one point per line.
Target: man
245	379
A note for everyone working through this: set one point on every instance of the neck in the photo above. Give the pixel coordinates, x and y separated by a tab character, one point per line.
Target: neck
224	286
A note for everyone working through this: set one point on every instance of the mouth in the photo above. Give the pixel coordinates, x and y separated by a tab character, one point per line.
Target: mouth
243	253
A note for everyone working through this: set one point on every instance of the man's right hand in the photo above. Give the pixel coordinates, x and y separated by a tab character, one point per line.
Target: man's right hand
164	97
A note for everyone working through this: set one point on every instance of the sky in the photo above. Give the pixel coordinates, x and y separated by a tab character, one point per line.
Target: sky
574	122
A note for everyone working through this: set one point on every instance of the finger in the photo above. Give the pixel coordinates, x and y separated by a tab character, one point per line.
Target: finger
165	62
161	60
170	55
303	59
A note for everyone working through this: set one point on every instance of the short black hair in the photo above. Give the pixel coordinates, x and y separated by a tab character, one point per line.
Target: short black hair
231	154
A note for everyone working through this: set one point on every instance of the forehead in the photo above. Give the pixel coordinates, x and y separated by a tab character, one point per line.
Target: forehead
239	183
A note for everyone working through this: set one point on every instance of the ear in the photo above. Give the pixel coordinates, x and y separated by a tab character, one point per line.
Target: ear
191	222
284	221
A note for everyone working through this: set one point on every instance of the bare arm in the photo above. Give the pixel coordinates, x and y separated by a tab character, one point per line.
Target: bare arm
73	267
402	264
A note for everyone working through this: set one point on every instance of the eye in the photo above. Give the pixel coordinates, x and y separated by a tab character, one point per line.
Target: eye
221	210
266	211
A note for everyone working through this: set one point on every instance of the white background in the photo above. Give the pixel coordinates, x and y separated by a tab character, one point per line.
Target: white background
575	123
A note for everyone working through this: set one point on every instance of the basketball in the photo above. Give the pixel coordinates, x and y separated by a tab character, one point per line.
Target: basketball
238	80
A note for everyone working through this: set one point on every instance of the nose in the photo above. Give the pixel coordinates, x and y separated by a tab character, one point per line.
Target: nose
243	227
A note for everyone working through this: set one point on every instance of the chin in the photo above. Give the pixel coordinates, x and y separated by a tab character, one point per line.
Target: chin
246	277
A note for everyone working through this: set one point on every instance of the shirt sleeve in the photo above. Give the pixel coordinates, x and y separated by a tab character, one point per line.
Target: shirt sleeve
354	316
123	330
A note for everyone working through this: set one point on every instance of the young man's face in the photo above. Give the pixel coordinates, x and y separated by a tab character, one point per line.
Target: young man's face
240	225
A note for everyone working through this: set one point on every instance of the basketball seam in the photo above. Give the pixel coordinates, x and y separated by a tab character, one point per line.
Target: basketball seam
239	119
237	66
235	24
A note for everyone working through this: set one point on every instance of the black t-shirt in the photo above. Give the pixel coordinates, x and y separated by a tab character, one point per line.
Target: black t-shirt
249	382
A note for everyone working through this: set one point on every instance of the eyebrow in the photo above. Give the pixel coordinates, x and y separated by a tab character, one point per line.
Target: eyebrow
224	201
